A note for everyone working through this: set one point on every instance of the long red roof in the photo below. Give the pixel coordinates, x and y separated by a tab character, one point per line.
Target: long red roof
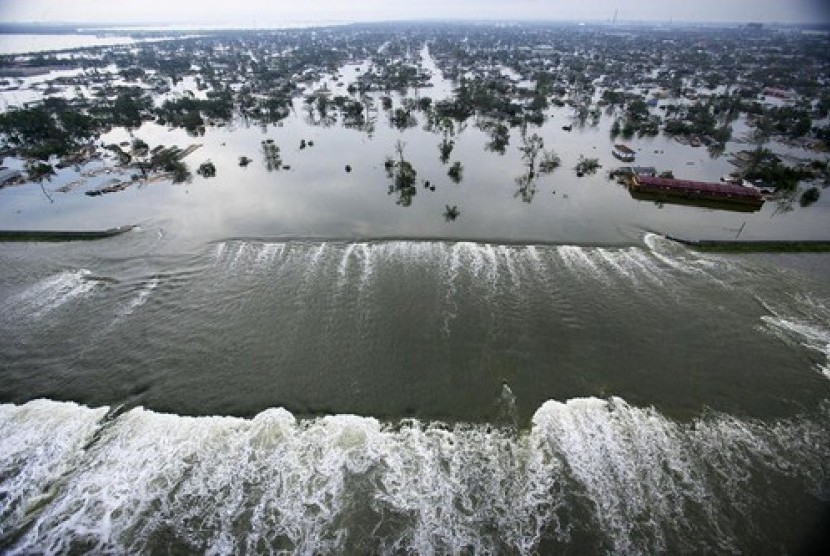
702	186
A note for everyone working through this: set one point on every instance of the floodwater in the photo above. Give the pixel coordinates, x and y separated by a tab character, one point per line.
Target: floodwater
23	44
317	198
292	361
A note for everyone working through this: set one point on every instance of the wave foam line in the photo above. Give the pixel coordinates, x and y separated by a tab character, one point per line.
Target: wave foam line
576	259
493	263
40	441
619	263
53	292
809	335
683	260
344	483
646	265
268	253
141	298
343	266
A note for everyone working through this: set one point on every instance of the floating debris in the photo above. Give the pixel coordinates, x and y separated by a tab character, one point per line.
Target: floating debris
189	150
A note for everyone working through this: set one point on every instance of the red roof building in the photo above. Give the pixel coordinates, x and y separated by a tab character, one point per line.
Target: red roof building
720	192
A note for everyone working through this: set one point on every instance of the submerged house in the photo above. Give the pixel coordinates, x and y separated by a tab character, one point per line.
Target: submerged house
721	195
623	153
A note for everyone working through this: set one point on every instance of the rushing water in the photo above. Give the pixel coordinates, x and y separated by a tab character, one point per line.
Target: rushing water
410	396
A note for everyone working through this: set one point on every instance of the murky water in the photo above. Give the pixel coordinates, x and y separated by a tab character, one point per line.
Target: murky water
512	398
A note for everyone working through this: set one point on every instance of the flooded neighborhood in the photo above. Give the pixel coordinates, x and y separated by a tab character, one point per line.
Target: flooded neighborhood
481	113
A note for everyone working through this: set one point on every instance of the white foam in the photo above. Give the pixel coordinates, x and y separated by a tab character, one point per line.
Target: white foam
241	249
219	253
809	335
618	453
344	263
268	253
476	259
645	265
455	264
619	263
674	255
577	261
457	256
531	254
480	261
367	269
421	252
507	254
230	485
682	260
645	474
140	298
317	255
53	292
658	244
489	254
275	479
40	441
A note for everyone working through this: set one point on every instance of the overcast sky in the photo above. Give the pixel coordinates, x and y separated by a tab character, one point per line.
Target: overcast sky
264	13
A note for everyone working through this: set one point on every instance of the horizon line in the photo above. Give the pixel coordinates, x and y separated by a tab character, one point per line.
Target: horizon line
287	24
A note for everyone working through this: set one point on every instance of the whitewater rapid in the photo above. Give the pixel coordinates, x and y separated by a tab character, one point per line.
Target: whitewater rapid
97	480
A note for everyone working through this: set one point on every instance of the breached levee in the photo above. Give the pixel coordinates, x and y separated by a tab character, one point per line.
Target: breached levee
487	263
589	475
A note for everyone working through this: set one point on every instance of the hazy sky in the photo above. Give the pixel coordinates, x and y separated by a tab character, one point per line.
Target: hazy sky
263	13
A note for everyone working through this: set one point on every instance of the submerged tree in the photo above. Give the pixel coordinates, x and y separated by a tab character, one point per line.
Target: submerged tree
526	187
456	172
810	196
140	147
550	162
403	176
451	213
271	152
499	137
532	146
616	129
167	160
207	169
446	146
38	170
586	166
402	119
